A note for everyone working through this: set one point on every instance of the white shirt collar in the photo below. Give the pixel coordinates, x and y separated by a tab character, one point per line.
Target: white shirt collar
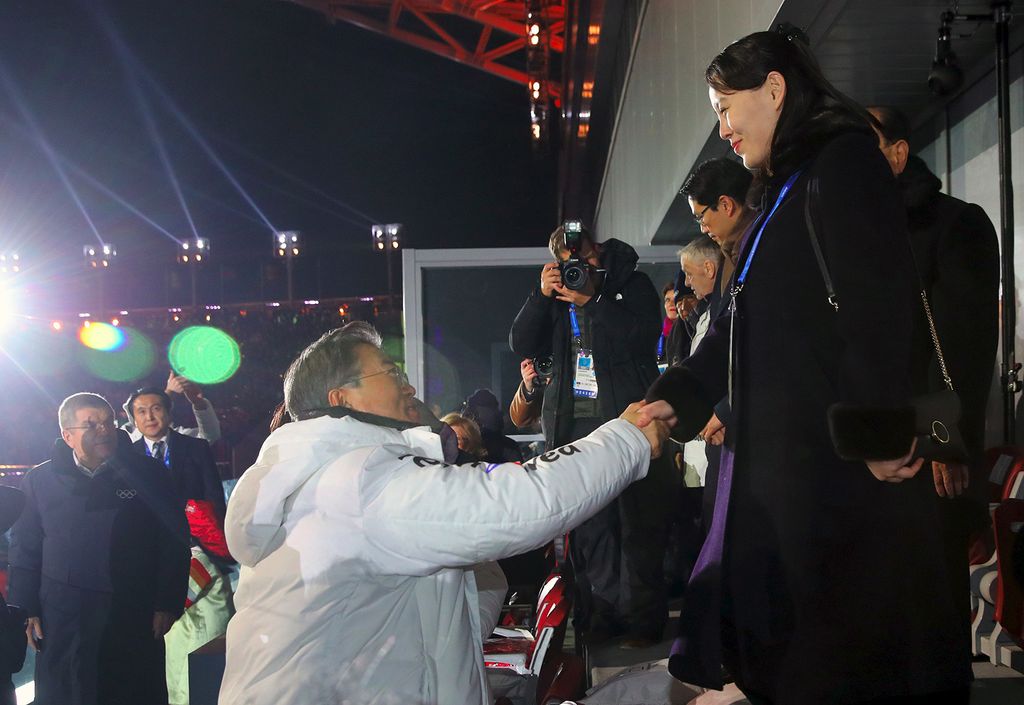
150	444
85	470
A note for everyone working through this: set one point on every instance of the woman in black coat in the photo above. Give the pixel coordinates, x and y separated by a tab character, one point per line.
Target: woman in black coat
821	581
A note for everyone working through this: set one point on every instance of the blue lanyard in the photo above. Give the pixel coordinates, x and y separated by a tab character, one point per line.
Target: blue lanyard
757	238
572	321
575	324
661	346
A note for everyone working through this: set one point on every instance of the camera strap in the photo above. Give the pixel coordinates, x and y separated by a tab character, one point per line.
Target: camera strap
741	279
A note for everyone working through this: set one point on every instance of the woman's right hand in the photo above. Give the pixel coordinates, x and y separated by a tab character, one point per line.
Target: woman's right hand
529	375
896	470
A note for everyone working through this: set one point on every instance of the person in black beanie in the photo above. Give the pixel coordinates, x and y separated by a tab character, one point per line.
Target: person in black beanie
482	407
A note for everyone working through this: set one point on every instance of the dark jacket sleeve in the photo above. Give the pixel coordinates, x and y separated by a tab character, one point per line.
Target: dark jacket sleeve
173	572
531	332
173	547
698	383
634	314
25	556
965	304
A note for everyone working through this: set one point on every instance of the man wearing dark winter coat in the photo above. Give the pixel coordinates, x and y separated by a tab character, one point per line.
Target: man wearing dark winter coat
957	256
603	343
190	460
99	563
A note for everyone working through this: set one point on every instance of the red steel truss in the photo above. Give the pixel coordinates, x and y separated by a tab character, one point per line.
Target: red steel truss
490	35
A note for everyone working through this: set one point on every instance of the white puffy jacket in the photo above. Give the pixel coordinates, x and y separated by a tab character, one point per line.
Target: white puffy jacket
360	553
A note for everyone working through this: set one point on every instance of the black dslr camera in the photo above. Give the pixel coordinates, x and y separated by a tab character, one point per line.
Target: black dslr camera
544	366
575	270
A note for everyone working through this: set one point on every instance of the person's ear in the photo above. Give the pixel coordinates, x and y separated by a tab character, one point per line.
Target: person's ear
66	435
337	397
776	84
727	205
900	154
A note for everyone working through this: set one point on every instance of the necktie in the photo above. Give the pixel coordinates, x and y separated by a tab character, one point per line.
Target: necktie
158	451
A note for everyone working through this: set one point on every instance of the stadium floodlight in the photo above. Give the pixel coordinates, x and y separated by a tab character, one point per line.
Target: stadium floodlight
10	262
379	241
99	256
287	244
386	237
194	251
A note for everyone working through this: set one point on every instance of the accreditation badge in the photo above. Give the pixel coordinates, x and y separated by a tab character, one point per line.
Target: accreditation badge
584	384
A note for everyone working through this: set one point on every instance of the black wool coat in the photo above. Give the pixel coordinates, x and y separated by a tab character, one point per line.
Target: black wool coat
832	587
94	558
626	320
193	469
957	254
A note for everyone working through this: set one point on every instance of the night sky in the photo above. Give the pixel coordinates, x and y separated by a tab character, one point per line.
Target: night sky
327	127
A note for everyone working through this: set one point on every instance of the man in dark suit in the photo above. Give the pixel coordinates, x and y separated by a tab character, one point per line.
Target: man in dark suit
189	460
99	564
957	257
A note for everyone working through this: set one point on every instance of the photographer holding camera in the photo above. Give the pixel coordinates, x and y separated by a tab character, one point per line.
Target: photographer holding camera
597	319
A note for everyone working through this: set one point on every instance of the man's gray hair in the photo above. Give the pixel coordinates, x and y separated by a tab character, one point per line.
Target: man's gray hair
329	363
83	400
701	249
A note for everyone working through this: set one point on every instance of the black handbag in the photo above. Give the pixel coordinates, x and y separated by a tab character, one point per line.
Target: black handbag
933	418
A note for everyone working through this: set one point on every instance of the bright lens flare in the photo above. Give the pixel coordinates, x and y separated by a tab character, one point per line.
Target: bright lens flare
101	336
131	361
204	354
6	309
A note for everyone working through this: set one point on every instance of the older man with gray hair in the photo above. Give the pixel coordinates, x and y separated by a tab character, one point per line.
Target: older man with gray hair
367	558
99	563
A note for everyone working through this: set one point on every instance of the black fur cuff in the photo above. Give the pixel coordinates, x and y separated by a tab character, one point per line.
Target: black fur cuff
680	389
871	433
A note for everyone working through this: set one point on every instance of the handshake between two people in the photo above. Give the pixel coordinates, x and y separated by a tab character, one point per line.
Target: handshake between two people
655	419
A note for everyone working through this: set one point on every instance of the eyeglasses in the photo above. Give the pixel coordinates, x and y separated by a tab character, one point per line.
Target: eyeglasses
700	216
93	426
394	372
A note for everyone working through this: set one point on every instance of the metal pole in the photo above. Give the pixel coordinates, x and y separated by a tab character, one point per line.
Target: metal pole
1010	368
387	260
288	268
99	290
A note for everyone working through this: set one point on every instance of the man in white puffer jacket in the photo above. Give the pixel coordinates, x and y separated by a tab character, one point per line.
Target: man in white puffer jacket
367	572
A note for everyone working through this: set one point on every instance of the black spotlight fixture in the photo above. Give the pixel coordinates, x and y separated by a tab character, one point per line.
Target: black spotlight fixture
946	75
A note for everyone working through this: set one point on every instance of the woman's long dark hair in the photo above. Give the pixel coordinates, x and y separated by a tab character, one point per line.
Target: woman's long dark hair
814	111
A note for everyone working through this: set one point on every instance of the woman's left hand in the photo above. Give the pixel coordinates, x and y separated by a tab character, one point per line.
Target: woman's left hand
896	470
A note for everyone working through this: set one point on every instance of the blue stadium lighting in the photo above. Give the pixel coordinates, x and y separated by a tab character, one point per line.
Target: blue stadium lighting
44	145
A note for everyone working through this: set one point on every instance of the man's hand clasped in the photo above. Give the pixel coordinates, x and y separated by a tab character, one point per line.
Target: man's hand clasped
656	430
